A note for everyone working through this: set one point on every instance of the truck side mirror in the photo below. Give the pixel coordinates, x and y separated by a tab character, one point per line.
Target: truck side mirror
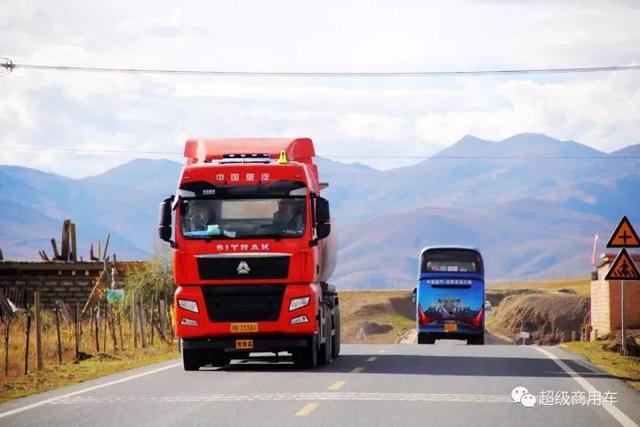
322	210
323	230
323	227
413	295
164	219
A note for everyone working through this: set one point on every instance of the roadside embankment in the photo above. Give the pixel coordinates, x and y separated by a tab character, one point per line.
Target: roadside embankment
549	318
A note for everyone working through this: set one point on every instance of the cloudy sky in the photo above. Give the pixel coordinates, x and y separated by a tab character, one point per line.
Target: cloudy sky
345	116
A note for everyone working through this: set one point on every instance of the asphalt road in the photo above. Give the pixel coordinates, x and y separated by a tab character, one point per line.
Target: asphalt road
447	384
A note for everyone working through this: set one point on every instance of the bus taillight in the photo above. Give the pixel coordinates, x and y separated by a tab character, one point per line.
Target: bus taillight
422	317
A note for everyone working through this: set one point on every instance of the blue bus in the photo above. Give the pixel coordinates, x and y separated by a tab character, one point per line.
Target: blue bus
450	295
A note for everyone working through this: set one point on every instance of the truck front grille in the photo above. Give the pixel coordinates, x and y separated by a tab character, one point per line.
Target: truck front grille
264	267
243	303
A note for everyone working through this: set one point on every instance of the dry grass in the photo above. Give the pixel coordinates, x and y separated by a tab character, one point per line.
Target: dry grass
54	374
381	307
623	367
581	285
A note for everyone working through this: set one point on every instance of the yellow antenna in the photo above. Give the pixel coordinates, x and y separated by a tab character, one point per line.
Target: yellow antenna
283	158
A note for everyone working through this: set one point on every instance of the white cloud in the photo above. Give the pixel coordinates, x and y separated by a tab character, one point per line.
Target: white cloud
383	116
374	126
601	112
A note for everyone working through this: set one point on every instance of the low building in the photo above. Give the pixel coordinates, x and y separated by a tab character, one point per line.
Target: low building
605	299
67	281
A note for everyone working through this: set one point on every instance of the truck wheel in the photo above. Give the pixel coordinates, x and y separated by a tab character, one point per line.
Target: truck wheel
425	338
475	340
335	345
192	359
219	359
306	358
325	351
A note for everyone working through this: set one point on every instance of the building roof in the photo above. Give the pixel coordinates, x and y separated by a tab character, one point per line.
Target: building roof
607	258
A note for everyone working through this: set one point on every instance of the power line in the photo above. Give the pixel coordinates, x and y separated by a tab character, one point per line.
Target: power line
327	155
9	66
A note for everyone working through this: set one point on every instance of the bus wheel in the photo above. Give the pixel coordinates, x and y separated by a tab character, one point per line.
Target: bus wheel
475	340
425	338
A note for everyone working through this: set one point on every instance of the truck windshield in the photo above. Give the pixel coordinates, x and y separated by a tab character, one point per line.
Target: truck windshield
243	218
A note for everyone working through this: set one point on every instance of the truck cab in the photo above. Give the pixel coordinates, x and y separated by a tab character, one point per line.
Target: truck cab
253	250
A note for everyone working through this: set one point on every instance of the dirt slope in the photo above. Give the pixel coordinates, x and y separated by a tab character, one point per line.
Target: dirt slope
549	318
375	316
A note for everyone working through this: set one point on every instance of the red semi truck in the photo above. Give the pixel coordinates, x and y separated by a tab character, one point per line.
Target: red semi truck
253	250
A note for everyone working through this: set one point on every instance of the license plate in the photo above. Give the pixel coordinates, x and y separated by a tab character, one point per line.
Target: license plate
244	327
451	327
244	344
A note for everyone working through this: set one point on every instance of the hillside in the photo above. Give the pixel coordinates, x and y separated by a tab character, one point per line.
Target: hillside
531	203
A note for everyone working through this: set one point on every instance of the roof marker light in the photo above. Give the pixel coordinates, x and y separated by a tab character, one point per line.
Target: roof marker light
283	158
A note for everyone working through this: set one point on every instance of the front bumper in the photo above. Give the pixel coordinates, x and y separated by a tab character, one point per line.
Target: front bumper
261	343
205	328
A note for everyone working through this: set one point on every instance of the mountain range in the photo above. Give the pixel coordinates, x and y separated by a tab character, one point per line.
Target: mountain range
531	203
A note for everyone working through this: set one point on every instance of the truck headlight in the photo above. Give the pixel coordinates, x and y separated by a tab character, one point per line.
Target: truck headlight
188	322
297	303
188	305
299	319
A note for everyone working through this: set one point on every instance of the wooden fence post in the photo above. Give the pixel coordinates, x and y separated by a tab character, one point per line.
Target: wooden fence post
72	242
163	315
104	329
36	303
112	327
143	338
7	332
96	314
153	303
77	339
134	326
26	347
56	311
119	327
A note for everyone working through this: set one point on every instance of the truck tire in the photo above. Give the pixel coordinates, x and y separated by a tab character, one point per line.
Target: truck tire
475	340
193	359
219	359
425	338
325	351
306	358
335	344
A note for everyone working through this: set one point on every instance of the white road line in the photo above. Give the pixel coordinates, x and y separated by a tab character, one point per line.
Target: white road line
357	370
372	359
587	366
85	390
616	413
288	397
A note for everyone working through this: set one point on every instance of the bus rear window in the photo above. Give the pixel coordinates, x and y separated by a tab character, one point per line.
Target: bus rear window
451	261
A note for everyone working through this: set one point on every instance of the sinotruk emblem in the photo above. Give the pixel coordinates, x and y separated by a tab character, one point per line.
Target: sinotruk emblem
243	268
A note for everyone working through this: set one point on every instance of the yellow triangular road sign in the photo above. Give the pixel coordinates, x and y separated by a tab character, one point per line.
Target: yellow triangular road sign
623	268
624	236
